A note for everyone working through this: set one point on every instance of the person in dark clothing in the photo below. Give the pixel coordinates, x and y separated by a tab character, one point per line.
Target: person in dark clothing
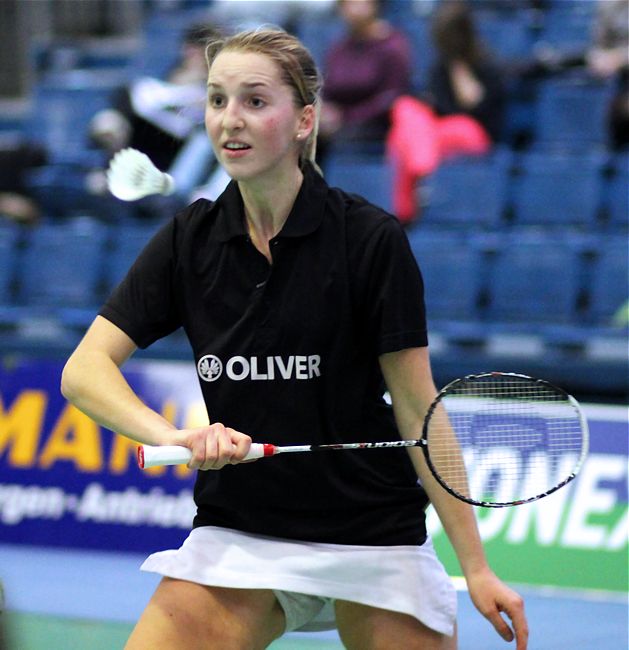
16	160
364	72
465	80
156	116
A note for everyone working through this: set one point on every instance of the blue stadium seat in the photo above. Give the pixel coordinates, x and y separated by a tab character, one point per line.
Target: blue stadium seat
64	104
368	176
62	265
567	25
60	55
162	34
535	278
60	189
452	270
469	191
417	29
558	189
9	237
610	280
571	113
616	193
508	35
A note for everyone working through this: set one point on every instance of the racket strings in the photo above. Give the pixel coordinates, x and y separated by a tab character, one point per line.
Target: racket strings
501	440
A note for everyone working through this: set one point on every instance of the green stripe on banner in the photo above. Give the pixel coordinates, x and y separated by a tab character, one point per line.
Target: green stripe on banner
556	541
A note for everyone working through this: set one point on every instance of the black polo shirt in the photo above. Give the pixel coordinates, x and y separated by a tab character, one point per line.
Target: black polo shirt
288	353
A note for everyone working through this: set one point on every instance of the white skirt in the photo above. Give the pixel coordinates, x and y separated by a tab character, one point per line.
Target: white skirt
406	579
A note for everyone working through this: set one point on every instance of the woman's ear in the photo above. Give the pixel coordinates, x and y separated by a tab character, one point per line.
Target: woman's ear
306	122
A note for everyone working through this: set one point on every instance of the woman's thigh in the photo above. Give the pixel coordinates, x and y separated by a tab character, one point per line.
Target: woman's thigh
187	615
370	628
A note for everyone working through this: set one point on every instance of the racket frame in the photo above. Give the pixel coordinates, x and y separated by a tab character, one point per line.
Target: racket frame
448	389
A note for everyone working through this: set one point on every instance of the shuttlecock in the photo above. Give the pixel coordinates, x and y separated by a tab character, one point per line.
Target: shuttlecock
132	176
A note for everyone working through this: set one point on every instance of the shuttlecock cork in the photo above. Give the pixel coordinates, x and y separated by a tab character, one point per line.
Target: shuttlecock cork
132	176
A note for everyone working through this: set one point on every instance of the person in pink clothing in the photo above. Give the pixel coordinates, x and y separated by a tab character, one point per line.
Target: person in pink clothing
461	114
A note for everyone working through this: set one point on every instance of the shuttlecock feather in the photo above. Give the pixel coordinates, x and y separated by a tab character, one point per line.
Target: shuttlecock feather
132	176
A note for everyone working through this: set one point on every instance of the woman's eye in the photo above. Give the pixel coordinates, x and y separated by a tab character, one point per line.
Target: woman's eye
216	101
256	102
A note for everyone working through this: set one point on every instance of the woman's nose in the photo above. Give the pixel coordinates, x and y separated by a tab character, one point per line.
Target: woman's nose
232	116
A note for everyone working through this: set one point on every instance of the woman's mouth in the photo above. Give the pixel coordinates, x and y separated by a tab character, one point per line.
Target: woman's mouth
236	149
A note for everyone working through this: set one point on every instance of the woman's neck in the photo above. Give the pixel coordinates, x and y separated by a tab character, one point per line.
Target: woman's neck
267	206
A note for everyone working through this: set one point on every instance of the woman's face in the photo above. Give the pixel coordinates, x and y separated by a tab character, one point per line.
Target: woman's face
251	117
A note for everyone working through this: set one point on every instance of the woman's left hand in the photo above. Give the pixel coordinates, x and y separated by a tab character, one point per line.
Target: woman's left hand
492	597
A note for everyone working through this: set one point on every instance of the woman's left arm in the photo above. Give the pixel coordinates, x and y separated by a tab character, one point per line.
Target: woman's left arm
409	380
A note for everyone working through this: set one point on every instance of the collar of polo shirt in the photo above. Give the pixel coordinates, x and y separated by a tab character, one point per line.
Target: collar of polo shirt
304	218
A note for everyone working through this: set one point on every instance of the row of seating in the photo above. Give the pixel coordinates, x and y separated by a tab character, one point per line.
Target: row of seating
520	276
65	266
587	191
526	278
549	304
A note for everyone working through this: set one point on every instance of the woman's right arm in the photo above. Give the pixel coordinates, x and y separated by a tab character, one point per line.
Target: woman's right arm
93	382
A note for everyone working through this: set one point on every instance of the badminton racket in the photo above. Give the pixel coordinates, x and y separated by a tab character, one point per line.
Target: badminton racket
493	439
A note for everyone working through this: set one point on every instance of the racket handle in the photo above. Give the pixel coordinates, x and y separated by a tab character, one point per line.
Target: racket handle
175	455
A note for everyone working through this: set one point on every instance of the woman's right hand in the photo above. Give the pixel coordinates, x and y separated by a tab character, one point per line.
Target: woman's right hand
213	446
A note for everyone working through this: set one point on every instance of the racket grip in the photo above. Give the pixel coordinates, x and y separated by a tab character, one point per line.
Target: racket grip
149	456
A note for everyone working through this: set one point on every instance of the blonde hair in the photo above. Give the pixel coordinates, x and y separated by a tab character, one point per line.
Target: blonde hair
296	65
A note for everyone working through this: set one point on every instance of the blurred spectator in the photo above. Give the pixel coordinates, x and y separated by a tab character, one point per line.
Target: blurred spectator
608	58
363	74
154	115
16	160
461	113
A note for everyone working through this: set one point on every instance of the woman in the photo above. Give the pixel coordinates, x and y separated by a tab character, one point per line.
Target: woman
295	313
462	112
365	71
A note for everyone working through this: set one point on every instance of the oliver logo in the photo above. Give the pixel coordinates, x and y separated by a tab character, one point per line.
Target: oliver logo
210	367
237	368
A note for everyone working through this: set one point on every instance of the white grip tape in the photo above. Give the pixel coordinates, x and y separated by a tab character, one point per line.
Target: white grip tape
175	455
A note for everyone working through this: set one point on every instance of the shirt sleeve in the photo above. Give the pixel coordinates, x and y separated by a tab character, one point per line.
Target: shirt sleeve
144	303
390	290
